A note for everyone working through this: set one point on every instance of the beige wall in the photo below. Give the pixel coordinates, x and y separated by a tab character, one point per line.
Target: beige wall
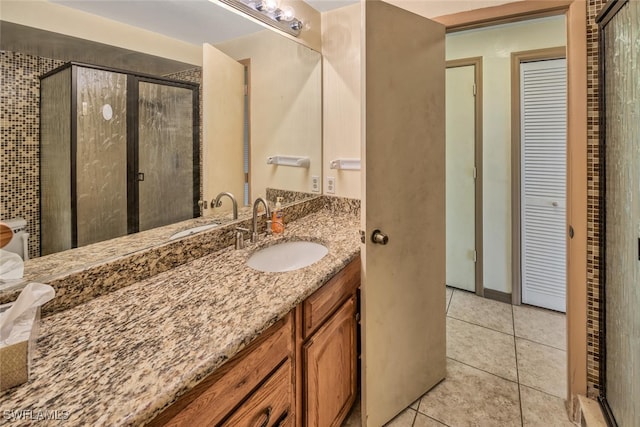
433	8
495	45
64	20
341	96
223	131
341	82
286	108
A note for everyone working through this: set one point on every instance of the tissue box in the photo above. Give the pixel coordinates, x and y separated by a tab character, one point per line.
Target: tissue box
16	352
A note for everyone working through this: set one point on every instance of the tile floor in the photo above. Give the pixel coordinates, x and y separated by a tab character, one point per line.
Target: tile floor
506	366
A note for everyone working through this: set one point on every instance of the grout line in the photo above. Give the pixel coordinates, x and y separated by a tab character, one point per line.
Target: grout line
544	392
431	418
428	416
415	415
481	326
541	343
446	312
438	421
482	370
515	349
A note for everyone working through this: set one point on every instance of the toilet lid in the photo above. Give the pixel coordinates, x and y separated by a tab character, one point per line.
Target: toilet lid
6	234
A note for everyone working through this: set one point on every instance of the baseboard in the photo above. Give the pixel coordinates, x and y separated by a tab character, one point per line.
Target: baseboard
497	295
590	413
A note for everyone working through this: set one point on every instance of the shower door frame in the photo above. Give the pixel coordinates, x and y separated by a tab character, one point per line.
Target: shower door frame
133	85
132	142
608	12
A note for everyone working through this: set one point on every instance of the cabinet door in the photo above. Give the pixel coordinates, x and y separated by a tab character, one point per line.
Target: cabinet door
329	359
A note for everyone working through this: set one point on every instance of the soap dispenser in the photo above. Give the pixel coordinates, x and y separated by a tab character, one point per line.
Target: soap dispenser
277	218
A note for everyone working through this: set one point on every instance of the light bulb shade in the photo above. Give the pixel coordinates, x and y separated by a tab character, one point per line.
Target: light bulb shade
268	12
267	5
286	13
296	25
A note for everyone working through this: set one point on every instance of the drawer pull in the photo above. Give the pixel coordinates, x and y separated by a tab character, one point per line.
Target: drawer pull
282	419
267	413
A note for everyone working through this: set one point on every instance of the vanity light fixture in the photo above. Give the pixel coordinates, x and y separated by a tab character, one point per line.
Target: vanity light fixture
270	13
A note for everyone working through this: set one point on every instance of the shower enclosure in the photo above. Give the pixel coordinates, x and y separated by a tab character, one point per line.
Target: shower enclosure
620	185
119	153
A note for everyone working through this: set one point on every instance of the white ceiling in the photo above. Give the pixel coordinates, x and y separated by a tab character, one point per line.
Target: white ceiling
192	21
324	5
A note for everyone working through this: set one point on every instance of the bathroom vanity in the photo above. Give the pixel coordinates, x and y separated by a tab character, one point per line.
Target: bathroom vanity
301	371
210	338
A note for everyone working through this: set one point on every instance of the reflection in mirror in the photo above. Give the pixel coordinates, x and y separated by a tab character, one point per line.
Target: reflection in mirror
279	109
280	115
114	148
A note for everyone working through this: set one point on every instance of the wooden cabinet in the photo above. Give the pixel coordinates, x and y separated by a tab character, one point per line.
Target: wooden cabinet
300	372
245	377
326	300
329	364
327	350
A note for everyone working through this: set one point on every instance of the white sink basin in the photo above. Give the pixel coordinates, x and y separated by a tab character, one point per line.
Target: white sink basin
190	231
287	256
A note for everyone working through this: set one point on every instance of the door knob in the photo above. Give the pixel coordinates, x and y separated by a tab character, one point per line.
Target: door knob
379	238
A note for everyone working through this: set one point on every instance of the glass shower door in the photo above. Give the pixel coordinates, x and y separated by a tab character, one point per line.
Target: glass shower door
621	36
101	155
165	154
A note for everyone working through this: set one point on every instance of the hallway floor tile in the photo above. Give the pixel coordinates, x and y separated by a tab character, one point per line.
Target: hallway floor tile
506	366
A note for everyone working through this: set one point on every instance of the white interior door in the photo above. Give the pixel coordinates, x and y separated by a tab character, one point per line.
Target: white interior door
403	312
543	112
460	183
222	125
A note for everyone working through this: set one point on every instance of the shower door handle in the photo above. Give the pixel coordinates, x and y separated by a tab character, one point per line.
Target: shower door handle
140	176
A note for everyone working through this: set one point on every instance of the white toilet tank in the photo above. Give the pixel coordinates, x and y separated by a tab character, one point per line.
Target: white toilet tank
19	243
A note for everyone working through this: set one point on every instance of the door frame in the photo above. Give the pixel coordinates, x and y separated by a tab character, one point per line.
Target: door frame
247	81
518	58
476	62
576	23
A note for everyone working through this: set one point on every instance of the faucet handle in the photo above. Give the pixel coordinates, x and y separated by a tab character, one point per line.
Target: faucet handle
240	237
268	231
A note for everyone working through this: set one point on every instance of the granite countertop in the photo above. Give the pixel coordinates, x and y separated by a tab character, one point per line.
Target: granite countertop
122	358
44	268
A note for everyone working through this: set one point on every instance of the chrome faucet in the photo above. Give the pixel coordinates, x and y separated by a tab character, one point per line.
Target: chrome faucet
218	203
254	235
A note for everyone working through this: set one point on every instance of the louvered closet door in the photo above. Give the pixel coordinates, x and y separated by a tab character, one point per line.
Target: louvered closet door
543	113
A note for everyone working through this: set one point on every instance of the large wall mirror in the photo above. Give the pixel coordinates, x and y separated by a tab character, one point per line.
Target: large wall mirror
259	97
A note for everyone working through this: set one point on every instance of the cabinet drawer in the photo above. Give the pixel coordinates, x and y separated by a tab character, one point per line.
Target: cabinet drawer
268	406
319	306
210	401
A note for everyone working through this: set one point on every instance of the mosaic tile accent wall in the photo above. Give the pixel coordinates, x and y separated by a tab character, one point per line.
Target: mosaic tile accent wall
593	203
20	142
